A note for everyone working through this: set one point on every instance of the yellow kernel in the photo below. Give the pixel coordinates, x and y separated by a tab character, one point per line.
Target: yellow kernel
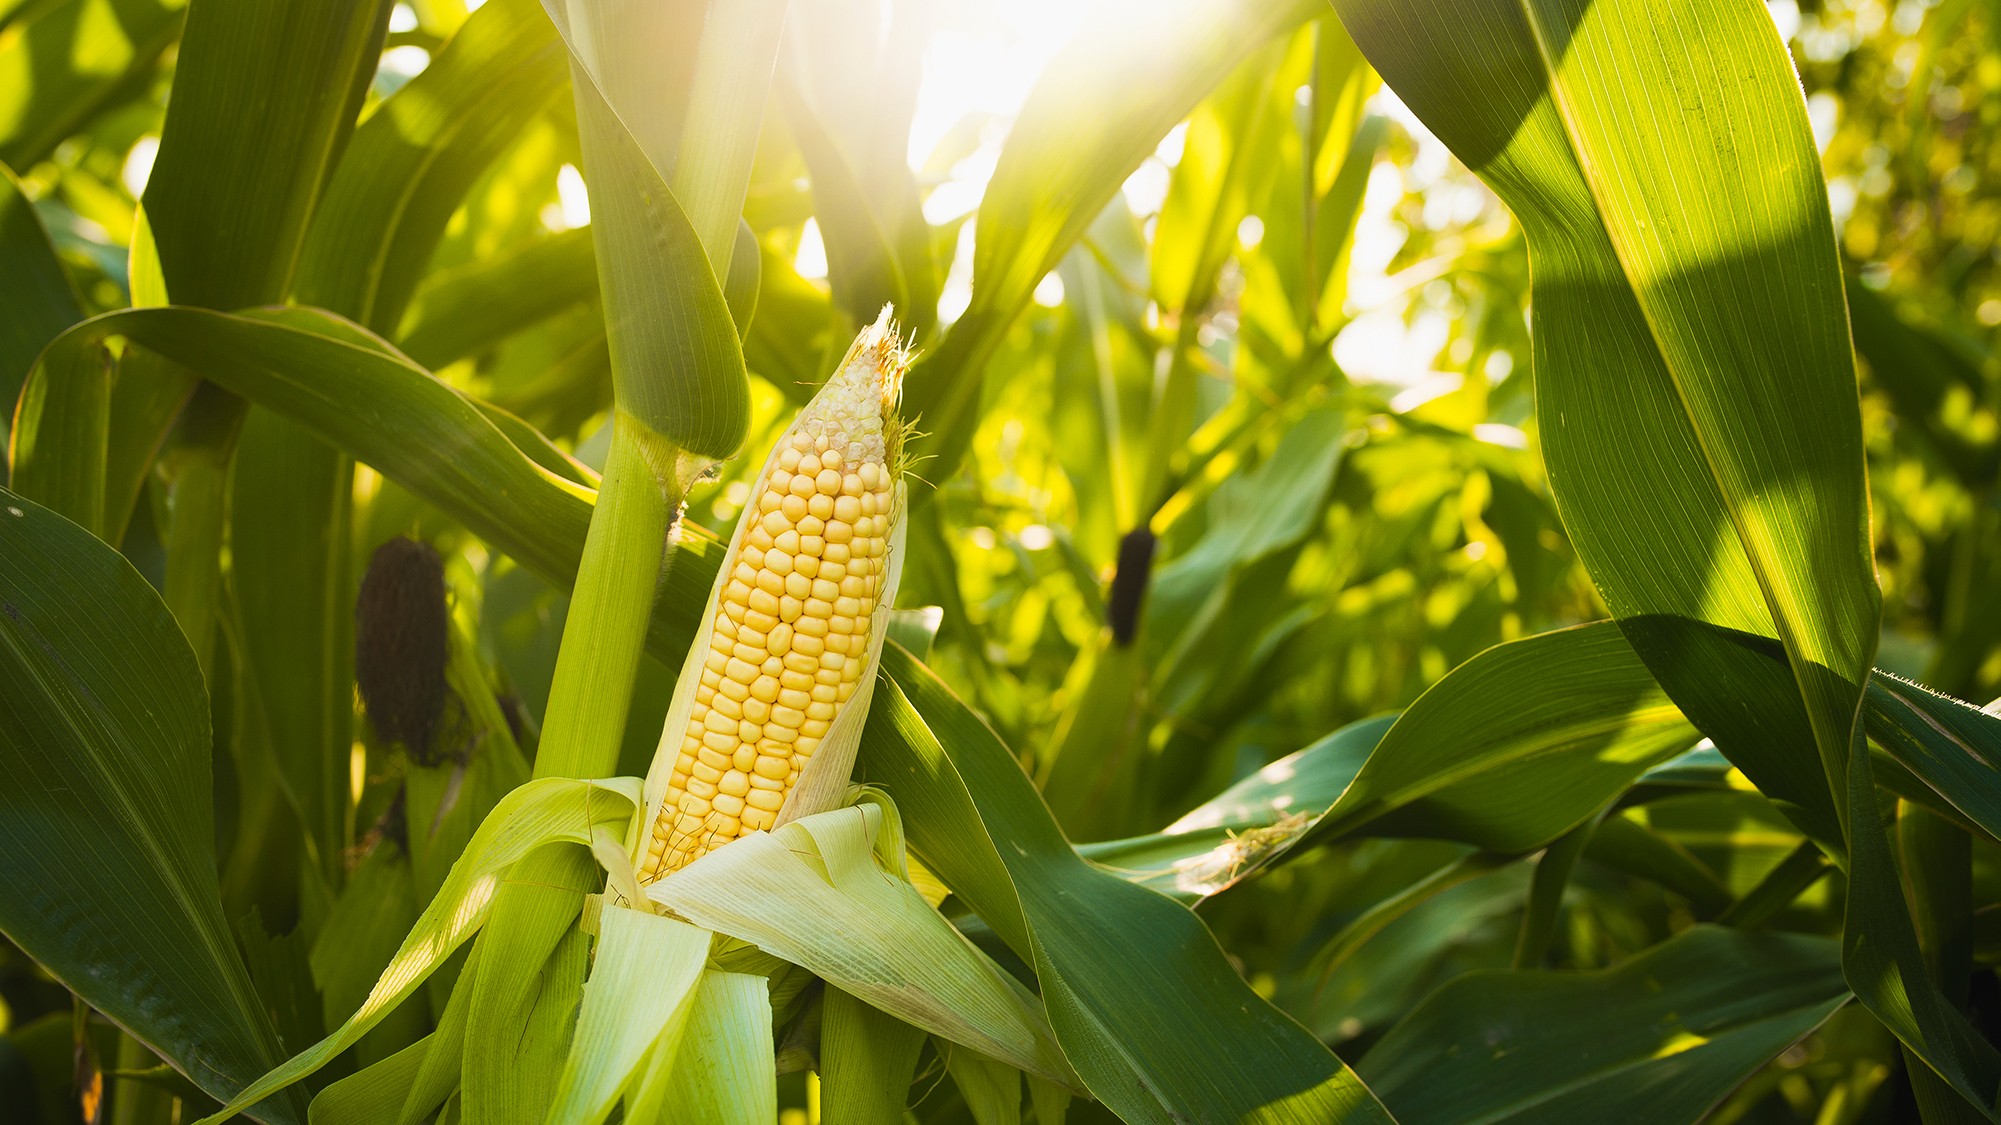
735	689
802	487
780	641
762	622
768	502
793	507
852	586
820	712
823	693
780	734
788	542
788	459
706	772
747	651
847	684
835	553
810	525
711	678
756	710
725	627
820	607
715	661
727	707
759	820
787	717
847	509
871	475
814	728
699	788
809	644
758	537
777	561
820	506
828	481
796	679
745	757
838	530
813	543
762	601
809	465
831	458
851	485
827	676
727	805
775	784
733	783
797	700
807	565
800	662
851	671
775	522
789	608
771	583
771	766
772	665
717	721
744	573
841	642
810	625
796	585
765	800
748	731
764	689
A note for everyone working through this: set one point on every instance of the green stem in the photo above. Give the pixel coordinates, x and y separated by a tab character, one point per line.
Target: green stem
611	605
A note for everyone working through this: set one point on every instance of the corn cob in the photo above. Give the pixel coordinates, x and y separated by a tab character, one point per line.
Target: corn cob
793	627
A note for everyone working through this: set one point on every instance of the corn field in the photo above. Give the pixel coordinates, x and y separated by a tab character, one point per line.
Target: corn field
918	561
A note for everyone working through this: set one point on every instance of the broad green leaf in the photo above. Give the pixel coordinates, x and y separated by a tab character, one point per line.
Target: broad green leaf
1060	167
723	1071
641	987
264	99
867	1057
676	359
1652	332
1127	976
541	812
461	312
412	161
290	504
1661	1037
1952	746
69	61
34	288
992	1089
1516	746
816	892
108	823
361	933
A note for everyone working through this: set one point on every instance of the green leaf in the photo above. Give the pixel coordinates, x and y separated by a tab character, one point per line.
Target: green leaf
36	292
540	812
867	1057
677	362
1952	746
724	1070
264	98
1661	1037
462	312
641	988
108	823
1147	1009
69	61
412	161
1516	746
824	892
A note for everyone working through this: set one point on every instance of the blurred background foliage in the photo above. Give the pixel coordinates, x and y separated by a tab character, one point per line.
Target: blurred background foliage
1285	370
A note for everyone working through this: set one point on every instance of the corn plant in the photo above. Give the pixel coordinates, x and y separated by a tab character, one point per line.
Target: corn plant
463	660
